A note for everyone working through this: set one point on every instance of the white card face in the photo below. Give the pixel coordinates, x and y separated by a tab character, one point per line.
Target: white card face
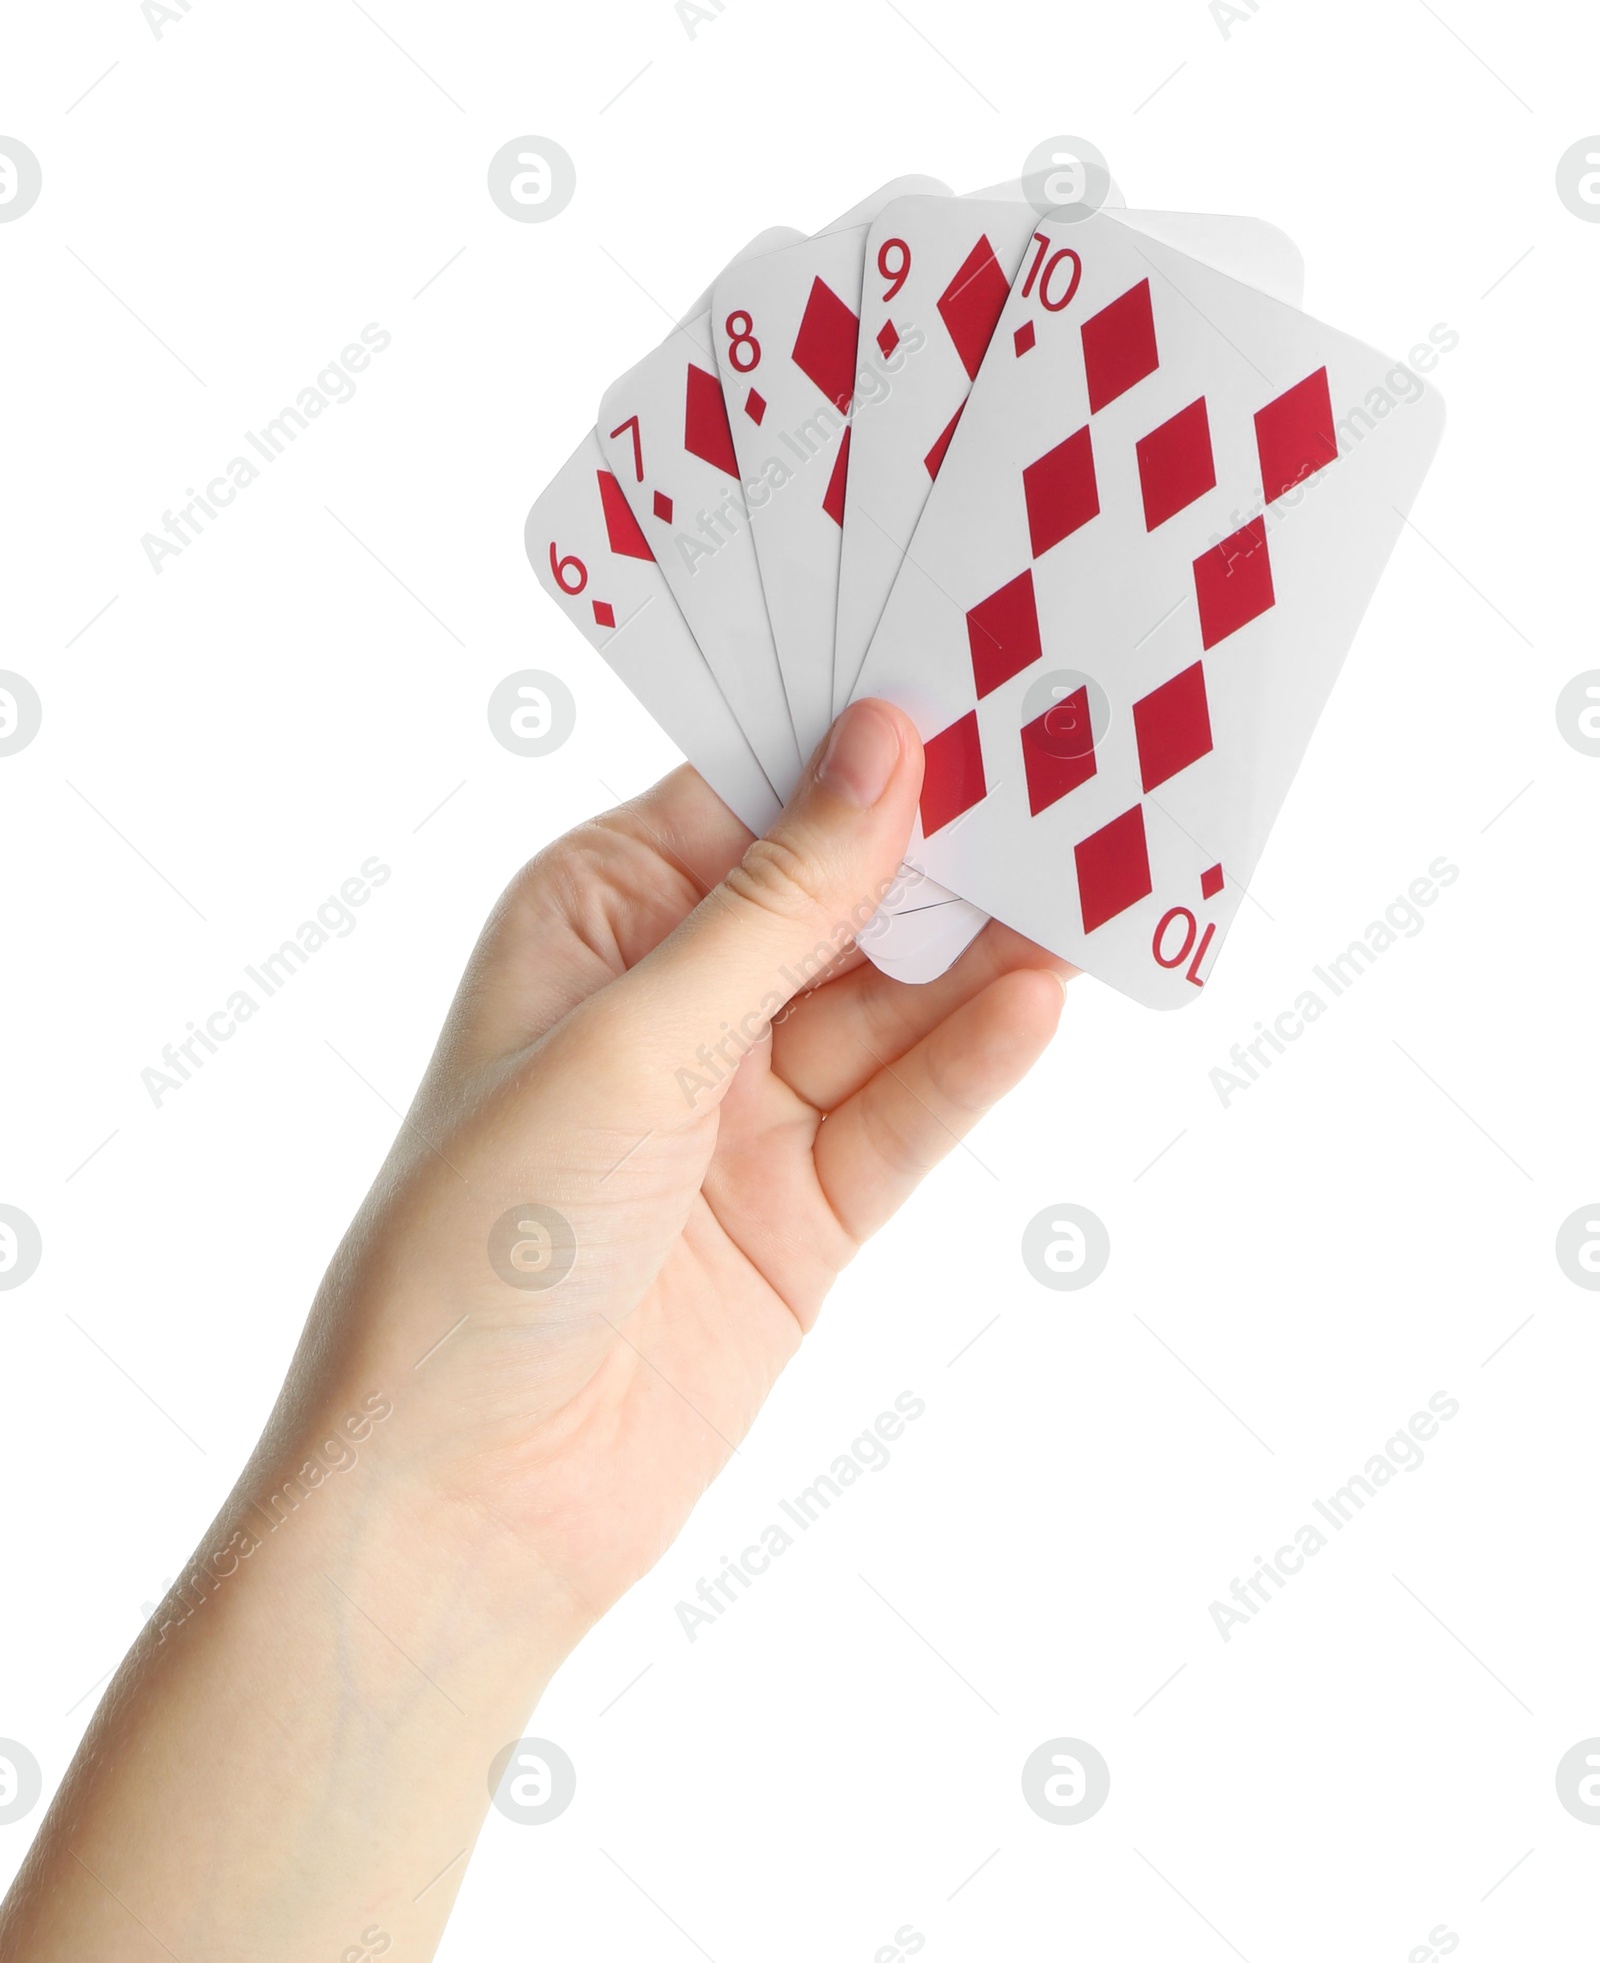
937	274
931	296
924	933
592	559
785	327
1155	531
664	431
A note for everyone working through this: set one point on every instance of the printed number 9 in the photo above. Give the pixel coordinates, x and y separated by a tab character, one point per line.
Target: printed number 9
895	275
531	721
558	569
531	1788
10	715
742	337
1067	1785
1068	1254
533	185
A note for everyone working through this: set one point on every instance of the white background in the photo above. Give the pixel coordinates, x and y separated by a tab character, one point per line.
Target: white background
1290	1277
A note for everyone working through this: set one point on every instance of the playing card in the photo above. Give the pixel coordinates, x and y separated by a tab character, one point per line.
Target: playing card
591	557
664	434
785	328
1151	540
937	274
920	930
939	271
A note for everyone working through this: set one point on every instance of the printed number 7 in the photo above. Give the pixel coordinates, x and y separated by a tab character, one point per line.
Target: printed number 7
638	448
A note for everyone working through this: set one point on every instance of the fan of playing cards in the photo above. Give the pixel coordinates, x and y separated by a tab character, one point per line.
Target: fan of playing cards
1085	493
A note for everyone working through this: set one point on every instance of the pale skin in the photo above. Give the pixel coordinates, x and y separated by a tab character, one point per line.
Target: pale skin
297	1764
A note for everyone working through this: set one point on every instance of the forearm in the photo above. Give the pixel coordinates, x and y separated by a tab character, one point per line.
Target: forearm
296	1752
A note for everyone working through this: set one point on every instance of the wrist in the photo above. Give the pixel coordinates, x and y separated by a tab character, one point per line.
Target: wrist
348	1493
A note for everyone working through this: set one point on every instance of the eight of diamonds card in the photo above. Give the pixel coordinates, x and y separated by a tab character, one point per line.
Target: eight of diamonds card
786	328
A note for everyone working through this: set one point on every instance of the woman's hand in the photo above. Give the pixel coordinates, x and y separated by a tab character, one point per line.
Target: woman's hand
669	1103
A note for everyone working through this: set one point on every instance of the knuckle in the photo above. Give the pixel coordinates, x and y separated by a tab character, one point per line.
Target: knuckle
779	879
563	868
897	1139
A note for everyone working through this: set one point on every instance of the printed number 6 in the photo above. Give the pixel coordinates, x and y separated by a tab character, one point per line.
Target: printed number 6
558	570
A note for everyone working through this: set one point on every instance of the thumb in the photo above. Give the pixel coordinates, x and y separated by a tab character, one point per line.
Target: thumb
792	906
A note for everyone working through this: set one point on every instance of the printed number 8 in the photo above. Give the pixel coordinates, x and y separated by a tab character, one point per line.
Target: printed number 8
742	337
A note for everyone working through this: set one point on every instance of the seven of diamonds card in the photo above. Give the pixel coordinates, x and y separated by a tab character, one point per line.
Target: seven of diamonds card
1154	532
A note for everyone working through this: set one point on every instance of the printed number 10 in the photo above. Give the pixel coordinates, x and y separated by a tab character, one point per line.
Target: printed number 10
1043	271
